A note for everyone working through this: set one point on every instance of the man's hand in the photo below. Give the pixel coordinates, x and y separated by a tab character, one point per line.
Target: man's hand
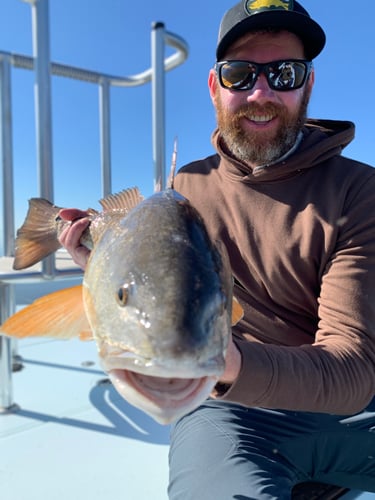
71	235
233	362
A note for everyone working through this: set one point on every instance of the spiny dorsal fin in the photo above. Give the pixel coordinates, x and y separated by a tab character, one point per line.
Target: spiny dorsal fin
172	172
125	200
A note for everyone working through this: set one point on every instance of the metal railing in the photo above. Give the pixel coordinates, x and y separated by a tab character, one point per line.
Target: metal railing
43	68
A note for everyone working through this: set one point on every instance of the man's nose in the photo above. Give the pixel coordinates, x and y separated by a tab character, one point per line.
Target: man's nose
261	90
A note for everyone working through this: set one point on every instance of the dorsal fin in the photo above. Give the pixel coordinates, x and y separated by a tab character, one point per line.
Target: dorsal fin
124	200
172	172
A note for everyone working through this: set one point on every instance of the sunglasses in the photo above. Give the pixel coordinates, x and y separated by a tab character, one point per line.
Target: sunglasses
282	75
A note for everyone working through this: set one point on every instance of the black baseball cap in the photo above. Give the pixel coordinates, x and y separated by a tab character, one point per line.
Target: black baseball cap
251	15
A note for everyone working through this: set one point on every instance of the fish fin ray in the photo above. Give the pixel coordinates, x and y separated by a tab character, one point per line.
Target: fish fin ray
86	335
37	237
125	200
59	314
172	172
91	212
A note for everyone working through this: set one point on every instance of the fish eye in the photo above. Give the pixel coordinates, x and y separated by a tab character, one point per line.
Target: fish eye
123	295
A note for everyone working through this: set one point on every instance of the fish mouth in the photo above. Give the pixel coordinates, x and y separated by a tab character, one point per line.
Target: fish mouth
158	388
164	399
161	367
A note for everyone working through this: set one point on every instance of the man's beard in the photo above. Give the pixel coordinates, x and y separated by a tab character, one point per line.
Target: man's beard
261	147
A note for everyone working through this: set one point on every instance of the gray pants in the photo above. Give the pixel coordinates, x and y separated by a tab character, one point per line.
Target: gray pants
223	451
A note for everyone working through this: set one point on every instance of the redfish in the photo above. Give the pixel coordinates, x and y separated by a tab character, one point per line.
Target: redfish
156	297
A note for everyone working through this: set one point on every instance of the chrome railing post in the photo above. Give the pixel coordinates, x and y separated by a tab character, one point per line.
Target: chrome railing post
6	387
43	113
158	103
7	299
7	237
105	136
41	52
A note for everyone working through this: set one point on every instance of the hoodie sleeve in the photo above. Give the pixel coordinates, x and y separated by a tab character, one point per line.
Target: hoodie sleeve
336	373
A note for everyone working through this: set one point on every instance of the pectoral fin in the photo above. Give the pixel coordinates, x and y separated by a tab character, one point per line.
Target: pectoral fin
59	314
237	311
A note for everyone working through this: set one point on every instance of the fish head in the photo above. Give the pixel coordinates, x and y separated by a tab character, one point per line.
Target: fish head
157	295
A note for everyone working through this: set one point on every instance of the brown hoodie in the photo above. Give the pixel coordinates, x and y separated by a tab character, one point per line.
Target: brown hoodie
301	240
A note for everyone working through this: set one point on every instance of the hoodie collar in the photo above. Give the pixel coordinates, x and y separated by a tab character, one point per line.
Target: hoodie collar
284	156
320	140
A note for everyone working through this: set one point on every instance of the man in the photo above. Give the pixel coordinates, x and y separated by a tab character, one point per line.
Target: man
296	401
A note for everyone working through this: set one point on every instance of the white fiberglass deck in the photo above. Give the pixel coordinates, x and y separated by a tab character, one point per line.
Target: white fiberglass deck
73	436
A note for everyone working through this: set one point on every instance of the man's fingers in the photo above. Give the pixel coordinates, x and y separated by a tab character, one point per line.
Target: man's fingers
72	214
70	237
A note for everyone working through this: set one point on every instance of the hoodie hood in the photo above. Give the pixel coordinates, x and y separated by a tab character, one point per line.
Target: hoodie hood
322	139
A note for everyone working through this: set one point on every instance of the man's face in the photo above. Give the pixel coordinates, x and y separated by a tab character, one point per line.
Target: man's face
260	125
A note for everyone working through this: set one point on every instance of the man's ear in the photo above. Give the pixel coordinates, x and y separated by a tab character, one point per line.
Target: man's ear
212	84
311	80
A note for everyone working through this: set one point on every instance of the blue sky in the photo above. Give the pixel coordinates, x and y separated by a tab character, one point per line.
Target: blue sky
114	37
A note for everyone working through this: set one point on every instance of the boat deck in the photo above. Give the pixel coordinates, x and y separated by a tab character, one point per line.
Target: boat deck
73	436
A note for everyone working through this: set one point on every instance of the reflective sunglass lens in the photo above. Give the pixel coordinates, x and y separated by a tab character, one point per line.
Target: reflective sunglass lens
286	75
236	74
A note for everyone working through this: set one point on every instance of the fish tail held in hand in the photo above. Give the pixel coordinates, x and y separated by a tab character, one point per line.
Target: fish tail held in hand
38	236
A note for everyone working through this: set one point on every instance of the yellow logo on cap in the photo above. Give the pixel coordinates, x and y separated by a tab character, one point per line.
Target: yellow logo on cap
253	6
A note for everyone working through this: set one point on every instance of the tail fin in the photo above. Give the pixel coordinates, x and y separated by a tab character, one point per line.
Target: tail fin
37	237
